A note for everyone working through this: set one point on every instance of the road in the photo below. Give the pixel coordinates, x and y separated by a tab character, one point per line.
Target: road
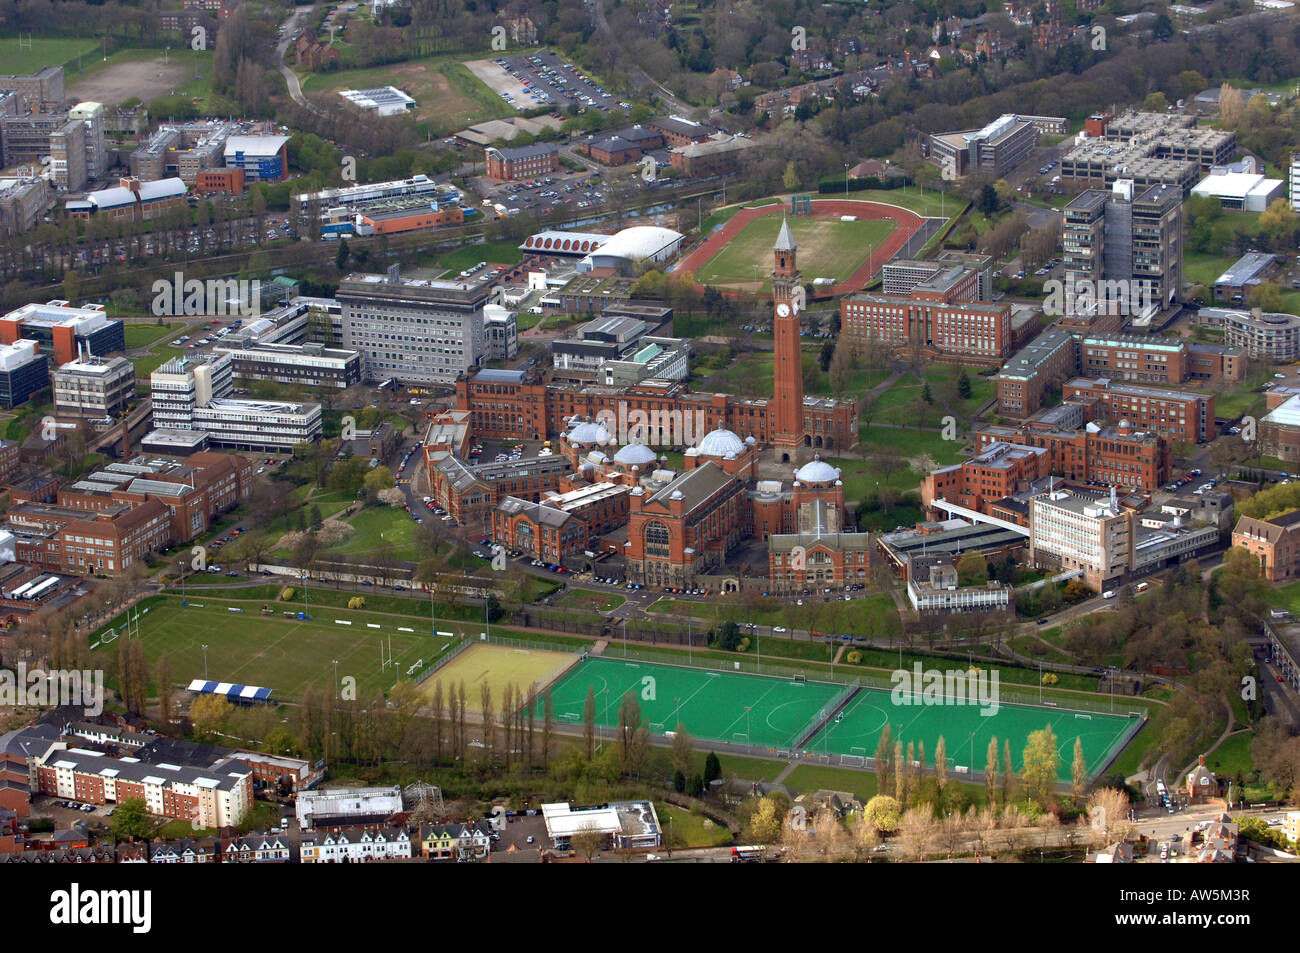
291	78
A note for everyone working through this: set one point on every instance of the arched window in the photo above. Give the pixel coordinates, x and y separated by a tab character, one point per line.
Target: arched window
656	539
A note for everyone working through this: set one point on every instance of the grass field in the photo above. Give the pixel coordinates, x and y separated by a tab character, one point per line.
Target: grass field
147	334
828	248
286	655
857	731
448	96
710	704
497	666
45	51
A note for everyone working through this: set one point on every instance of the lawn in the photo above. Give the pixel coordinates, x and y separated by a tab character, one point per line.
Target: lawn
928	202
1204	269
909	443
590	599
146	335
378	527
691	830
1233	756
467	256
828	248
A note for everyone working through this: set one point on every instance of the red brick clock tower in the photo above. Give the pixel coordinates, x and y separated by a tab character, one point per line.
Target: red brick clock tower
787	419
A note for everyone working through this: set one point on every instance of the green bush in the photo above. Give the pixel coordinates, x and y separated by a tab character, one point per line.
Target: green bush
357	602
286	594
854	657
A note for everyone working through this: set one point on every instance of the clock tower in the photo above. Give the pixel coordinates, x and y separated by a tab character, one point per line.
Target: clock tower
787	365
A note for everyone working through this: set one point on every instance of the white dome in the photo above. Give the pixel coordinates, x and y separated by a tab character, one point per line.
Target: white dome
634	454
720	442
638	242
589	432
817	471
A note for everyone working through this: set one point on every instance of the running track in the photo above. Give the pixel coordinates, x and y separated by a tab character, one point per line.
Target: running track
907	223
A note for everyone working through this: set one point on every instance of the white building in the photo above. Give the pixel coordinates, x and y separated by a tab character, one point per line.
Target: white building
347	804
353	845
384	100
619	824
1241	191
192	396
935	589
1078	532
634	246
1295	181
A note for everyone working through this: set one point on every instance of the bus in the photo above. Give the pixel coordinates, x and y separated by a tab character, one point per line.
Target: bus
746	855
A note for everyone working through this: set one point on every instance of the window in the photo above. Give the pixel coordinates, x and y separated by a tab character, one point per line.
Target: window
656	539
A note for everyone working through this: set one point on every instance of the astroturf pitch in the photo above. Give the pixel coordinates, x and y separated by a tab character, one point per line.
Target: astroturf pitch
710	705
496	666
858	730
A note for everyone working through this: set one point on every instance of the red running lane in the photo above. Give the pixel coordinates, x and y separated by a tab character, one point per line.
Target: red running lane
907	224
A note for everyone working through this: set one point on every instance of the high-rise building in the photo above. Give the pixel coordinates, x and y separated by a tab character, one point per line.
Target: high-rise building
415	330
787	398
1126	247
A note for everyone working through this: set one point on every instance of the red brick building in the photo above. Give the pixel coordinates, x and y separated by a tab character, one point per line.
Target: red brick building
220	181
1180	414
997	471
1109	456
1275	542
523	162
940	317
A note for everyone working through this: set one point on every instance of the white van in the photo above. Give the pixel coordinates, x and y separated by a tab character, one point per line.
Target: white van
1108	594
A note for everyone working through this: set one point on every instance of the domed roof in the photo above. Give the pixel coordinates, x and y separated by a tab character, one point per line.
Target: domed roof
634	454
817	471
589	432
720	442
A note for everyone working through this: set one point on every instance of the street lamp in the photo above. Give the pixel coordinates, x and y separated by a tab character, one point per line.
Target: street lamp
205	661
336	679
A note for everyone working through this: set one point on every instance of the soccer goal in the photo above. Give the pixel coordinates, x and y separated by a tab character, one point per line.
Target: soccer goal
852	761
656	728
739	738
1084	717
569	716
797	677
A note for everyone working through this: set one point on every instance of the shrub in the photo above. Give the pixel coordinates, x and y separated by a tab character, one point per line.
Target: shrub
357	602
286	594
854	657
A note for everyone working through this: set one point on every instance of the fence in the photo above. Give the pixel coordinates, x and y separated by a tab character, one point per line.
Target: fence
820	720
442	660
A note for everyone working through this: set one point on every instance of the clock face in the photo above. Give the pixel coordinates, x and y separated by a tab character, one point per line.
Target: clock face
783	310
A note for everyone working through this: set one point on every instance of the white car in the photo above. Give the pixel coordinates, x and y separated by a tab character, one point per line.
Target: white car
778	628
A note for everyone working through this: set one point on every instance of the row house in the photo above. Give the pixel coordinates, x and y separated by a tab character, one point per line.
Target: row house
352	845
256	849
459	842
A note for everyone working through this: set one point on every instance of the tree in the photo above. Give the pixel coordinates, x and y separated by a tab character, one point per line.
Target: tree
884	813
587	842
680	753
712	768
1041	763
963	385
629	725
764	826
1010	783
1107	814
941	765
163	677
1079	769
589	723
991	772
884	746
341	257
972	569
1231	105
208	714
131	820
548	725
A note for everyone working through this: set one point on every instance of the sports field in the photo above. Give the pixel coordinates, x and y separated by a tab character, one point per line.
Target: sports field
855	732
711	705
498	666
828	248
285	655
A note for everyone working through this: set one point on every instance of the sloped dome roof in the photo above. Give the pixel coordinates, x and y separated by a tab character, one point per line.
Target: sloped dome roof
720	442
635	454
589	432
817	471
